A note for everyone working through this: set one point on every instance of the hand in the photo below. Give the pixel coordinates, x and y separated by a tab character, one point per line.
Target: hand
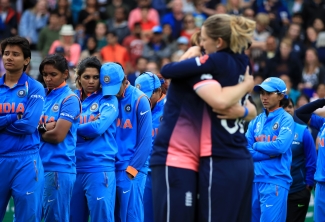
233	112
249	80
129	176
194	51
50	126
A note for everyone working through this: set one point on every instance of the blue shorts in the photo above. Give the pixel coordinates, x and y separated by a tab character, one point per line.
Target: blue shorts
269	202
22	176
93	194
57	195
129	197
319	204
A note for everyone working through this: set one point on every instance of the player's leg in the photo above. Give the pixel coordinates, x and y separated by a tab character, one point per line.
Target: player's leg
174	193
123	194
79	211
100	192
225	189
273	202
27	188
319	207
297	206
147	200
256	205
7	171
57	195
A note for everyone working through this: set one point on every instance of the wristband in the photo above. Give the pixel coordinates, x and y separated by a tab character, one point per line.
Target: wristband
246	112
41	128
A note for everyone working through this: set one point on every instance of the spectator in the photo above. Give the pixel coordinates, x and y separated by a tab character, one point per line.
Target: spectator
114	52
153	67
119	24
294	34
136	14
141	66
8	20
248	13
233	7
100	34
284	62
156	49
89	16
271	47
189	27
261	33
80	35
71	50
221	9
312	74
175	18
199	15
311	10
110	9
32	21
146	22
91	49
302	100
320	46
318	24
63	9
183	44
134	44
292	93
49	34
311	37
188	6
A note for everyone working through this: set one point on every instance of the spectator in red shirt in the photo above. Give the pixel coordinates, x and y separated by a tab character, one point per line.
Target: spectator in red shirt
8	20
136	14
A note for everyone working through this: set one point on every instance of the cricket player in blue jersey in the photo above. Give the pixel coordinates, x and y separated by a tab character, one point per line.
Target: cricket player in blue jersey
95	188
150	84
133	136
21	103
305	113
269	138
58	132
302	170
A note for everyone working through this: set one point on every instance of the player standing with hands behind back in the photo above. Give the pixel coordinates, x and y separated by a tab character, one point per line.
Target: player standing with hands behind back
21	100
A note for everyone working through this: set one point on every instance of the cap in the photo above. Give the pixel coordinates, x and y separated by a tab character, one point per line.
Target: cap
111	76
272	84
147	82
182	40
67	30
157	29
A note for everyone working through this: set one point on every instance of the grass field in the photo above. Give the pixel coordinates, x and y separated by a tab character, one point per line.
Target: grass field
11	209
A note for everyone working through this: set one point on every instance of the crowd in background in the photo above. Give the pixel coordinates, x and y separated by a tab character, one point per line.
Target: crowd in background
143	35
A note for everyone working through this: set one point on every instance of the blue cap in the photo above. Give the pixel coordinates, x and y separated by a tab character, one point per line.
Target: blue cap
157	29
182	40
147	82
272	84
111	77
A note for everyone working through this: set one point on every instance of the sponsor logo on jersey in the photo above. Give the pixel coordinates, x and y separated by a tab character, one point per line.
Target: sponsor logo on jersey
296	136
201	60
206	76
21	93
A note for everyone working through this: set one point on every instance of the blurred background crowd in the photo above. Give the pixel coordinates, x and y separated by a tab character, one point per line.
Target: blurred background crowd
143	35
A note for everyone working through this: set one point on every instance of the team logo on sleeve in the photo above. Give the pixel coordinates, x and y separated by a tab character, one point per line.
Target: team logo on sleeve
21	93
107	79
138	86
127	108
94	107
55	107
275	126
201	60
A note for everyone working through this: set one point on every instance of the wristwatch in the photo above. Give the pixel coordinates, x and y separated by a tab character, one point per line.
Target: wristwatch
41	128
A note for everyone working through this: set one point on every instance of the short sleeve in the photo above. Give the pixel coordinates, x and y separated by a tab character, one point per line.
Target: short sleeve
70	109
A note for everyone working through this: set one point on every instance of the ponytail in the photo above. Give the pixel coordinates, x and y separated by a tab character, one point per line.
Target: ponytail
241	33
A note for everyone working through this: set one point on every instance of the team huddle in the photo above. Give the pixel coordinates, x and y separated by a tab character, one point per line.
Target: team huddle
116	152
